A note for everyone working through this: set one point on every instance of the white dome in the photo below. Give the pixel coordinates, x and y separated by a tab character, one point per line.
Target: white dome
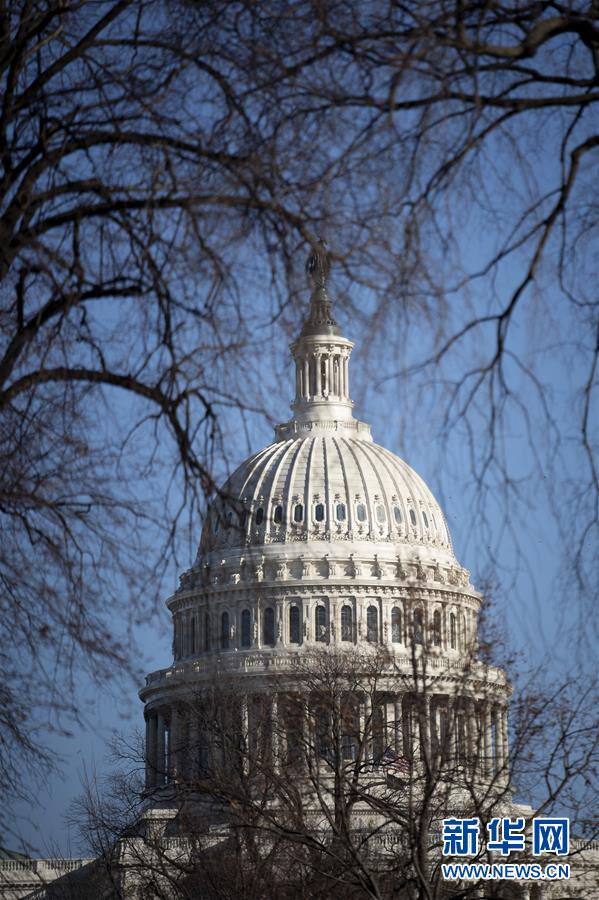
324	487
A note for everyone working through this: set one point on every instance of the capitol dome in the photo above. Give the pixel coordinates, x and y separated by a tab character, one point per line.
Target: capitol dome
328	486
322	542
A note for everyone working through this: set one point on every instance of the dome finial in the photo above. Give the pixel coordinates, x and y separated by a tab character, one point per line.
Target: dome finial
320	319
318	265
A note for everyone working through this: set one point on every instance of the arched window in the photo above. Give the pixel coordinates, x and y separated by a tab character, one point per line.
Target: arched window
192	627
412	517
347	629
298	513
278	515
380	513
372	622
268	627
418	626
361	512
259	515
246	629
319	512
320	623
224	631
424	519
229	519
207	631
452	632
340	512
437	628
216	523
294	625
396	625
397	515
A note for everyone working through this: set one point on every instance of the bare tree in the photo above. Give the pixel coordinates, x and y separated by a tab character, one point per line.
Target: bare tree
160	165
316	800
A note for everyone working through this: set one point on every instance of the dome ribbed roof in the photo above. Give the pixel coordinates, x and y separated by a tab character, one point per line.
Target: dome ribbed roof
324	487
324	479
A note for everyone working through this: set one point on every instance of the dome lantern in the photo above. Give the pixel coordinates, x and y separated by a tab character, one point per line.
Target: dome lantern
321	356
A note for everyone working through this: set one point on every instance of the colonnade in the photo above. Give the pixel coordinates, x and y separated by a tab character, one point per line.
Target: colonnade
322	373
185	740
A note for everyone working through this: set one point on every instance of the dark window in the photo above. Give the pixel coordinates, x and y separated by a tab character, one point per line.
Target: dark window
320	623
412	517
246	628
347	630
341	512
224	631
207	631
278	515
437	628
349	747
268	627
397	514
298	513
216	523
424	519
294	625
229	519
372	624
418	626
361	512
259	516
380	513
452	632
243	517
319	512
396	625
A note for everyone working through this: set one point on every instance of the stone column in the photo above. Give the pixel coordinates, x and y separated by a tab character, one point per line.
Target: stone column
305	734
432	720
470	734
398	742
274	732
245	733
257	626
151	733
318	376
346	376
193	754
366	726
505	743
488	739
173	744
280	631
306	386
499	761
334	625
160	749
